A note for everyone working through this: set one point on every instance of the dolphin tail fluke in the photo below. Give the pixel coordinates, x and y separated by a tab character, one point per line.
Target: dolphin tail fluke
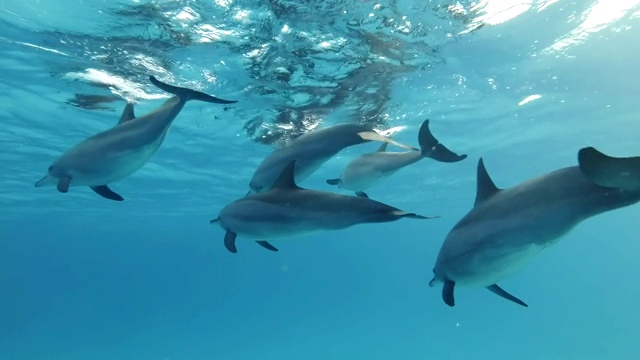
266	245
188	94
432	148
404	214
230	241
500	292
608	171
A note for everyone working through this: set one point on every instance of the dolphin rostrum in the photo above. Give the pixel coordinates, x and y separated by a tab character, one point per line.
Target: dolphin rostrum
311	150
367	169
118	152
507	228
287	210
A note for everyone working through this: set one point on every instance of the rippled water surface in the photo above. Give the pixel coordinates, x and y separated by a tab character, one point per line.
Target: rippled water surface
523	85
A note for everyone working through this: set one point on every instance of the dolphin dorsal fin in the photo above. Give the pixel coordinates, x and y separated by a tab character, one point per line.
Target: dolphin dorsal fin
486	187
382	147
286	179
127	114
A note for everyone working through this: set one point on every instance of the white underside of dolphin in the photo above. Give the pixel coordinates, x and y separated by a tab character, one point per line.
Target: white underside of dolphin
118	152
507	228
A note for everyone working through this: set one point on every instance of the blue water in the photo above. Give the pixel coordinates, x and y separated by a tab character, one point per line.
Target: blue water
82	277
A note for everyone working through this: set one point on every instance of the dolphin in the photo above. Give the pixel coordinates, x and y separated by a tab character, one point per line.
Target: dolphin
118	152
287	210
507	228
311	150
368	169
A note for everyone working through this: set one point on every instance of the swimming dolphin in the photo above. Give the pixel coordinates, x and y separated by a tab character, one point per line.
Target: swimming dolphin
118	152
311	150
370	168
507	228
287	210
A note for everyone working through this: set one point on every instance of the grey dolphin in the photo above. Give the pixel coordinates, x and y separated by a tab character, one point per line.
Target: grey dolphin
118	152
287	210
507	228
311	150
367	169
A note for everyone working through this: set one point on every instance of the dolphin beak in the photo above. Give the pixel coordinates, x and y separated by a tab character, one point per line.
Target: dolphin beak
47	180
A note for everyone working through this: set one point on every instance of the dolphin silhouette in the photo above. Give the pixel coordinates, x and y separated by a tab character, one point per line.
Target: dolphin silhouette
507	228
311	150
370	168
118	152
287	210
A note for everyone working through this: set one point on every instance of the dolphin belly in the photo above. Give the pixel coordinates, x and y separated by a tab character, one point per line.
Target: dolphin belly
90	165
486	266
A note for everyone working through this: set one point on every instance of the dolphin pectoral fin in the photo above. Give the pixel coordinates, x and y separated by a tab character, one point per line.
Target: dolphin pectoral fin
403	214
608	171
63	184
187	94
333	181
266	245
230	241
382	147
127	114
500	292
447	293
432	148
374	136
362	194
106	192
214	220
486	188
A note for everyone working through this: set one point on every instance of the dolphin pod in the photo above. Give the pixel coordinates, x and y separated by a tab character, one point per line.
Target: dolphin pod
370	168
499	235
118	152
507	228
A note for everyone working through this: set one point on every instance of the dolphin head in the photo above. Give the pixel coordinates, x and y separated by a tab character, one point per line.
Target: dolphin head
57	171
53	175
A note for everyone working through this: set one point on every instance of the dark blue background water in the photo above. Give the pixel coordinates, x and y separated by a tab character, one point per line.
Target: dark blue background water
149	278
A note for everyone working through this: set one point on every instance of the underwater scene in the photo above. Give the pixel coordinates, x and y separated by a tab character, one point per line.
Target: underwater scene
305	179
